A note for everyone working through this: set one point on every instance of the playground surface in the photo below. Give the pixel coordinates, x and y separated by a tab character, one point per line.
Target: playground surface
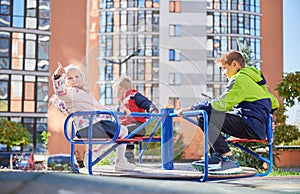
21	182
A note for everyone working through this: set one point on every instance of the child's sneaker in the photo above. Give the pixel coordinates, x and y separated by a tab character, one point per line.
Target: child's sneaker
229	165
214	162
123	165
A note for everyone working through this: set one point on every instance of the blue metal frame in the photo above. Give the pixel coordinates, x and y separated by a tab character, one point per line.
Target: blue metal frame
268	160
164	119
186	116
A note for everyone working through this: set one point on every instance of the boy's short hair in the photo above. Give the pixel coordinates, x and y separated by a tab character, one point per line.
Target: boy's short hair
230	57
124	82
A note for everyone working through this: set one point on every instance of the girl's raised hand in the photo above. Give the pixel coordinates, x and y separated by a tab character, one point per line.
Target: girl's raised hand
60	70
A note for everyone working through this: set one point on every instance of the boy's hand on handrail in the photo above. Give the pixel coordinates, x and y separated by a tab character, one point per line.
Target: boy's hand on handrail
126	111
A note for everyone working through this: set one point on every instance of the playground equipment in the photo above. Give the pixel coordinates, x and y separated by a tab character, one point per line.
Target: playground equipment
165	120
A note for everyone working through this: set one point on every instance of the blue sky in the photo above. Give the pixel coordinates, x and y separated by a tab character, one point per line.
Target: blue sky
291	46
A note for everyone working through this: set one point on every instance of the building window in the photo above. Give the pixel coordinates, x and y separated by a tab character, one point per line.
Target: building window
16	93
174	55
155	70
175	6
175	30
141	70
109	73
18	14
4	50
174	102
42	94
4	88
174	79
108	94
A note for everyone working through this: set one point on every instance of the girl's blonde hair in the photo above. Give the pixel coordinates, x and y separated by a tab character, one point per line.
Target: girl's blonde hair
74	67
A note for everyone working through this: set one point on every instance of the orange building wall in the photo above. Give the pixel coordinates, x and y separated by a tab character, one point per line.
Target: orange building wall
67	45
92	52
272	42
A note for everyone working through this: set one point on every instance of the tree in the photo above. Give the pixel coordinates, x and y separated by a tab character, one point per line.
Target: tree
284	133
45	137
246	52
289	89
13	134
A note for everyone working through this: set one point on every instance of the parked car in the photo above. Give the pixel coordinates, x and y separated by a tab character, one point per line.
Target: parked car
23	161
59	162
26	161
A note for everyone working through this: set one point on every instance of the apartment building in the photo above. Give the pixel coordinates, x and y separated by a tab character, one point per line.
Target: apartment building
170	46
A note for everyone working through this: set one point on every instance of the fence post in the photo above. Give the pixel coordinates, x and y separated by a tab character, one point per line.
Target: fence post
167	143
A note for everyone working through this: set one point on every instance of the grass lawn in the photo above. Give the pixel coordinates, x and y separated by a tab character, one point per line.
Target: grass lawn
284	172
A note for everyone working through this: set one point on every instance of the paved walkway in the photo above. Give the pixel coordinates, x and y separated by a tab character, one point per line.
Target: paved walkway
72	183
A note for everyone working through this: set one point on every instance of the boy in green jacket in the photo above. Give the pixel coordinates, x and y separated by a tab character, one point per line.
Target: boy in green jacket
240	111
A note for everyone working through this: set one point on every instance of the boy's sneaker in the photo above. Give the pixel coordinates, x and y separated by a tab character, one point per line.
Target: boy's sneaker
123	165
214	162
228	166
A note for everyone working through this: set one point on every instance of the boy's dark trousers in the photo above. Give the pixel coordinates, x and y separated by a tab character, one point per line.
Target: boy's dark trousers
231	124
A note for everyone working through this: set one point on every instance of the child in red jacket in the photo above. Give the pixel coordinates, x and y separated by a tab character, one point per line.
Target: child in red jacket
132	101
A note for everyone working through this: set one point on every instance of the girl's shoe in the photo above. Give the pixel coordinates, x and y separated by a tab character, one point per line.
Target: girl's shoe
123	165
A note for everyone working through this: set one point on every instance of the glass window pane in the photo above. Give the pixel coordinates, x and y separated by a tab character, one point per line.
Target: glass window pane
29	91
5	7
30	64
31	23
31	8
18	14
43	46
108	94
3	90
44	9
30	49
4	20
224	23
16	87
29	106
43	65
4	63
234	23
172	55
4	47
16	93
44	24
217	22
155	70
141	3
3	105
155	46
141	70
42	91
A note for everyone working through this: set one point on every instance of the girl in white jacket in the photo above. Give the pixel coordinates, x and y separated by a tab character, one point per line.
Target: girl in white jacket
70	88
